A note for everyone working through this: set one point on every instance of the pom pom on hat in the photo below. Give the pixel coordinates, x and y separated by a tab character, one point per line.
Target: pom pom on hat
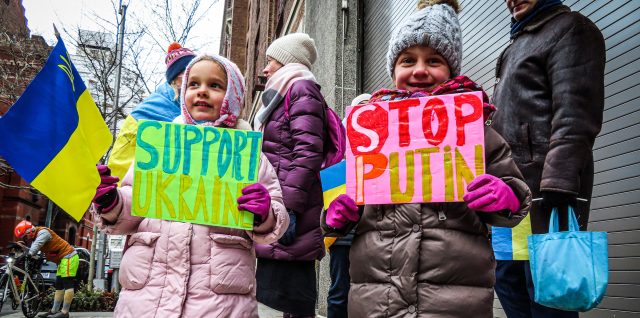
427	3
177	60
174	46
435	24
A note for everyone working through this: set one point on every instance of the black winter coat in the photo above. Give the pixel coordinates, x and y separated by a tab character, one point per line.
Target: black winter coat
550	99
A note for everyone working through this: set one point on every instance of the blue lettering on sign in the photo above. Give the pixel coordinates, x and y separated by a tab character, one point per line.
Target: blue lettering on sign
153	152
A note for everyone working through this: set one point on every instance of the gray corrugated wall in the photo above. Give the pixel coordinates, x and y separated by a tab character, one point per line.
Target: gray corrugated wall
616	197
380	17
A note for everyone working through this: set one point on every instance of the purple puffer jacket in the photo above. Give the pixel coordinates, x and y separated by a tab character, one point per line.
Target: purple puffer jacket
294	146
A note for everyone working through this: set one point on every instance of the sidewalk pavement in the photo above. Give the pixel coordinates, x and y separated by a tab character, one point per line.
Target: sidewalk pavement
263	312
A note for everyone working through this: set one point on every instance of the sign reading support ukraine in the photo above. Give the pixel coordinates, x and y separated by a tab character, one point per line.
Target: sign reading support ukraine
54	135
194	174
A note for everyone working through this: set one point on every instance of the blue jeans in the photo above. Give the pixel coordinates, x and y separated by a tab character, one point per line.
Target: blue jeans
514	287
340	280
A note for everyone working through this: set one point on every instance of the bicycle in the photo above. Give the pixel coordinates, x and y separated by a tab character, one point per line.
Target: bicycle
28	293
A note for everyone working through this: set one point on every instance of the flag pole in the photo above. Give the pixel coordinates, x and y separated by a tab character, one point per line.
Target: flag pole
115	286
55	31
114	123
49	217
119	50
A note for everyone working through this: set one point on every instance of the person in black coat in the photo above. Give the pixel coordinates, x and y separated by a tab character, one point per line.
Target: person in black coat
550	100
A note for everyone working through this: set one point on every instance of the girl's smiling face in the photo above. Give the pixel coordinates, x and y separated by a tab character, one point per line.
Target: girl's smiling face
206	88
420	68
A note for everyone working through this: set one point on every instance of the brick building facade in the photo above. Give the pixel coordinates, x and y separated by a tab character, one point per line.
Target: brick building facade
249	27
12	18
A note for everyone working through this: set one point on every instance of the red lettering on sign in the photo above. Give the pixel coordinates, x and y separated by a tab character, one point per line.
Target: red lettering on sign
403	119
462	120
367	129
435	106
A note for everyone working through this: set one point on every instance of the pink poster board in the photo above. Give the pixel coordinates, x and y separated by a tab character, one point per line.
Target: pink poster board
415	150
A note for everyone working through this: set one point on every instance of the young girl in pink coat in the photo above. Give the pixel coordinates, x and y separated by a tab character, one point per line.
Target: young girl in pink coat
175	269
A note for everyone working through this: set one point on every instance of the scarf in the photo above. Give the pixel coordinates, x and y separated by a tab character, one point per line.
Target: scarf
541	5
458	84
276	89
160	105
233	98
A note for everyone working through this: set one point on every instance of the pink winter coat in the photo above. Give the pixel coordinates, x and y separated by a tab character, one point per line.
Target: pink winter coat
175	269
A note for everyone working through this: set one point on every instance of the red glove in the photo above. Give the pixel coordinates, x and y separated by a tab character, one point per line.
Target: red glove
106	196
490	194
255	198
342	210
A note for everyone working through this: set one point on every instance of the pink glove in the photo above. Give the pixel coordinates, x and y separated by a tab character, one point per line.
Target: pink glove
255	198
107	193
342	210
490	194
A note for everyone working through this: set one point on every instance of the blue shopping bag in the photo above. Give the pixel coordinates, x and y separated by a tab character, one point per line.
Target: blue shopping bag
569	269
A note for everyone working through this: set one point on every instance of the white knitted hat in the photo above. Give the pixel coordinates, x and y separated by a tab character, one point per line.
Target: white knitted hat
294	48
435	25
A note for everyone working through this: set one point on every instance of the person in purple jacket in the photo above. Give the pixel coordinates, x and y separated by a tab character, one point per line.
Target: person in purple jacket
293	141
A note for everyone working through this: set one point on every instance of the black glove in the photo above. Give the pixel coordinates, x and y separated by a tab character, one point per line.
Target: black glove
290	235
551	199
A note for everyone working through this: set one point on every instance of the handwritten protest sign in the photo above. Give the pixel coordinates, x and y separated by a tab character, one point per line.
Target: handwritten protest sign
193	173
414	150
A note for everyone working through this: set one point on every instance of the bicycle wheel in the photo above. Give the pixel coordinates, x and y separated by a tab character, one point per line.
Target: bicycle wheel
32	295
4	289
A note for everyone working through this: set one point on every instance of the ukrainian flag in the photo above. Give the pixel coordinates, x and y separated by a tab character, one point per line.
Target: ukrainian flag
511	243
54	135
334	183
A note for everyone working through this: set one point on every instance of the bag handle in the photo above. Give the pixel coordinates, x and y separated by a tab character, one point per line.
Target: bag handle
554	223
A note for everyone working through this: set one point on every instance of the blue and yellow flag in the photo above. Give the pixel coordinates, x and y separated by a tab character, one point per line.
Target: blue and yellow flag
511	243
54	135
334	182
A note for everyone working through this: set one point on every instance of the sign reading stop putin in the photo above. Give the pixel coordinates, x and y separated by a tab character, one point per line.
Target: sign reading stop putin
415	150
